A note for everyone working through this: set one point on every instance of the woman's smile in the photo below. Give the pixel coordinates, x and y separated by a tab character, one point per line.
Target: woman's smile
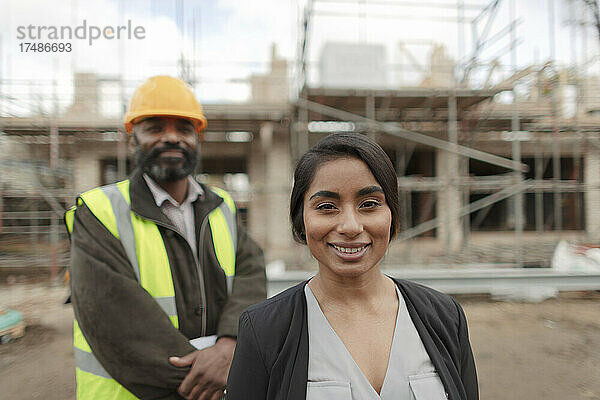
349	252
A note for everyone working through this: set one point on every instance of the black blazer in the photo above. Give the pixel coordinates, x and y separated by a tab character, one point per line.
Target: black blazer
271	355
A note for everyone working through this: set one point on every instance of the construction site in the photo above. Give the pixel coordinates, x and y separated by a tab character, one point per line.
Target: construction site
498	163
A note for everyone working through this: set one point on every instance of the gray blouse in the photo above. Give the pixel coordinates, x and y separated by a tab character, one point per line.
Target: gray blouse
333	374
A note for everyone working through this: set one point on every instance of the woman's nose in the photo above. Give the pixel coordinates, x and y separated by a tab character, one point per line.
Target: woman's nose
350	224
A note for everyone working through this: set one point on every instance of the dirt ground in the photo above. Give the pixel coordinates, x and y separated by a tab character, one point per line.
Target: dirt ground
549	350
39	365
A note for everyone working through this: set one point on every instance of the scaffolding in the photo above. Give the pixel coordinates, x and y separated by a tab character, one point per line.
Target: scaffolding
52	151
482	180
473	171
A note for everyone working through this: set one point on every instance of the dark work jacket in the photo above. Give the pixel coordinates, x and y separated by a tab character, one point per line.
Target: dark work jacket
126	329
271	356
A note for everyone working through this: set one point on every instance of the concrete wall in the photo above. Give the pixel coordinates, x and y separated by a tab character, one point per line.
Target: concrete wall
87	163
353	65
592	194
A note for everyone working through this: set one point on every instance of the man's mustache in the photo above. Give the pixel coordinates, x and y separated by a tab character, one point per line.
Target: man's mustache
155	152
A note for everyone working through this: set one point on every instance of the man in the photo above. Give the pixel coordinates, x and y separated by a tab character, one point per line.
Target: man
158	260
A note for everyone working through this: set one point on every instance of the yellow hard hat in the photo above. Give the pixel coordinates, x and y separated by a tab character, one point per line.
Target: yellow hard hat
164	96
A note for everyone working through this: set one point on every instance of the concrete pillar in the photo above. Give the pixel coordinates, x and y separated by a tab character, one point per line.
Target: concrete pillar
87	171
257	212
270	168
449	201
591	177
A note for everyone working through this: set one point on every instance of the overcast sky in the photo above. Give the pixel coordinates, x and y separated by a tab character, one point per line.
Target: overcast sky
233	38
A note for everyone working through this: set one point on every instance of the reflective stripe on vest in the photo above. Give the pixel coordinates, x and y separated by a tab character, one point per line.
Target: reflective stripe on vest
223	227
145	249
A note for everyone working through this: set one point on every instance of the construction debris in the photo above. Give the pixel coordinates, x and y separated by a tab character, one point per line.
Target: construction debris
11	325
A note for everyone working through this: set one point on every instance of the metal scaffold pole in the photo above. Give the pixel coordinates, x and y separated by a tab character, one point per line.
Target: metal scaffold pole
576	212
556	172
539	194
370	113
122	138
301	127
516	148
54	155
451	181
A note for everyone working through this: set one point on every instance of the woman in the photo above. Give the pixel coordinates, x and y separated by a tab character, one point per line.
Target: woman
351	332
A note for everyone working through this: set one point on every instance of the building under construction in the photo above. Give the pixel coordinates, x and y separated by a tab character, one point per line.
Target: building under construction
491	172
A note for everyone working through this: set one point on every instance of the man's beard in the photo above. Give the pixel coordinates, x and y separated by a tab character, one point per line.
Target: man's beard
166	168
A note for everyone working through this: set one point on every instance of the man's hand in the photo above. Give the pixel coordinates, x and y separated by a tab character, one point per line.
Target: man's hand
208	376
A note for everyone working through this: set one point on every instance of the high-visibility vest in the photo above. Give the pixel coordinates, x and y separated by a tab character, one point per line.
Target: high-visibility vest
146	252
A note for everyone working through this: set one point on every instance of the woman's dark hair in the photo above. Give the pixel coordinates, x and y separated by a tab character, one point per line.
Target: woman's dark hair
343	145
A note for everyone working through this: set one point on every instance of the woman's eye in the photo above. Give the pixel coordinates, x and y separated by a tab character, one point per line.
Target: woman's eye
325	206
370	204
